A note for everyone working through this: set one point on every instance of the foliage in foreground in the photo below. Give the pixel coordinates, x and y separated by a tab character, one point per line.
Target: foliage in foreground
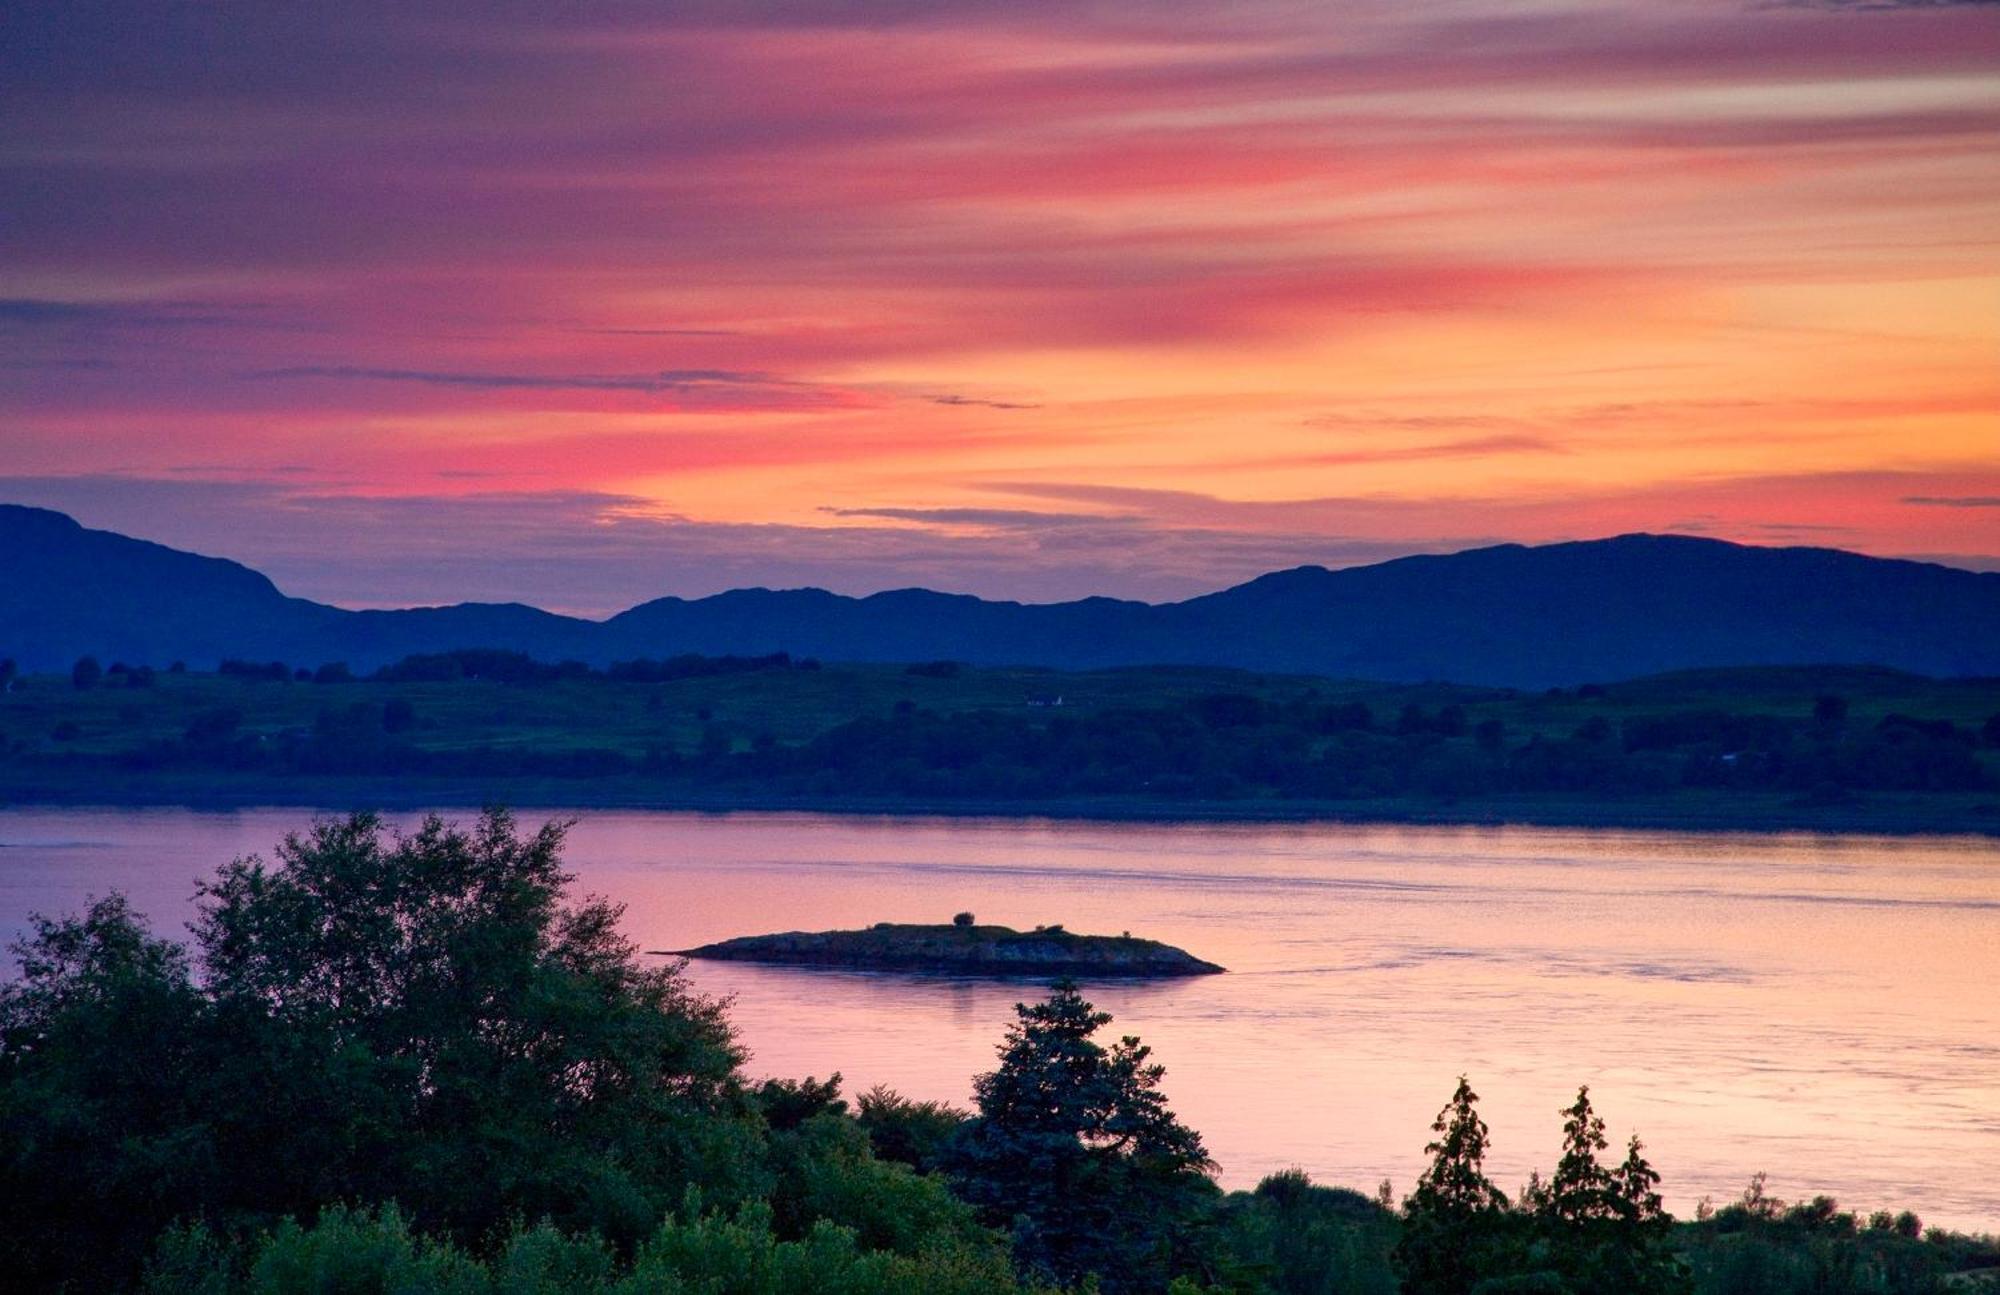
690	1254
411	1064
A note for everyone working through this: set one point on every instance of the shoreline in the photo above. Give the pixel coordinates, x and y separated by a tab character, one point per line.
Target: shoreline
1880	815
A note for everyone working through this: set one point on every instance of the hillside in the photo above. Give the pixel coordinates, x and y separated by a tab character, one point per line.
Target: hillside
1511	615
1829	748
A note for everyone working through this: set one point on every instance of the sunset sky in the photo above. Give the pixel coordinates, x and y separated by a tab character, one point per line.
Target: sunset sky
583	304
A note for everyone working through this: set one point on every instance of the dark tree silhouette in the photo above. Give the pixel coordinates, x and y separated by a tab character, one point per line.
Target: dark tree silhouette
1453	1223
1604	1228
417	1018
1074	1148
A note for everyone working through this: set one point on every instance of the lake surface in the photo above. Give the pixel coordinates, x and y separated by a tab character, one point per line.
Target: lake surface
1825	1009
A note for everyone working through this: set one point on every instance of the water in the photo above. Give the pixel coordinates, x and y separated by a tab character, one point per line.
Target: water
1825	1009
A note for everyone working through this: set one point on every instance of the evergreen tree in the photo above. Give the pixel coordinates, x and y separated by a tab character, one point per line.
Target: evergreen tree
1604	1229
1075	1150
1454	1221
1637	1184
1641	1257
1581	1190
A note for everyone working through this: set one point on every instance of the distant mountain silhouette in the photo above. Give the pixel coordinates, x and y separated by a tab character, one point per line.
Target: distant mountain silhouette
1508	615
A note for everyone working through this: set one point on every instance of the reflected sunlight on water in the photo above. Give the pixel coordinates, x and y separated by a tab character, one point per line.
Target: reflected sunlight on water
1825	1009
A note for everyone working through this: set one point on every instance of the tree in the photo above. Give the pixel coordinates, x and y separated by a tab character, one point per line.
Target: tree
1074	1147
1454	1221
1581	1190
1605	1229
86	672
917	1134
95	1145
8	673
420	1018
529	1063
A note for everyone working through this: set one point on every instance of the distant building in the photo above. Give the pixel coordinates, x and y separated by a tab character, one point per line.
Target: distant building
1044	699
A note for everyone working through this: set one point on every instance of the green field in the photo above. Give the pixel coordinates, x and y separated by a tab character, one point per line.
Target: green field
1149	741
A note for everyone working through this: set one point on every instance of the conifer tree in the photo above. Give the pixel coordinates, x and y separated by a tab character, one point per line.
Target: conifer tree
1604	1229
1453	1222
1075	1149
1581	1189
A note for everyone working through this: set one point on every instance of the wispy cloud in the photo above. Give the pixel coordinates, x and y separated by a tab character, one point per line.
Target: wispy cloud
987	518
52	313
667	380
976	402
1474	447
1434	273
701	387
1953	501
1862	6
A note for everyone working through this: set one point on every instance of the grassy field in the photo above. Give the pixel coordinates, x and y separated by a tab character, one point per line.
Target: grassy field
62	743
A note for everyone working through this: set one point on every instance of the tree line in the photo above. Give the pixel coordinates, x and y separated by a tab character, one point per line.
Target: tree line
1216	747
417	1063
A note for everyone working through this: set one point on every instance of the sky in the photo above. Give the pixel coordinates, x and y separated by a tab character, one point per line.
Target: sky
584	304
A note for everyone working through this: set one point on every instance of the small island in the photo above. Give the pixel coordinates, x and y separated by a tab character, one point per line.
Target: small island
962	948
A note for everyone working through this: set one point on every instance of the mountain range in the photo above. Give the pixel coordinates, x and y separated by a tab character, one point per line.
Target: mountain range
1509	615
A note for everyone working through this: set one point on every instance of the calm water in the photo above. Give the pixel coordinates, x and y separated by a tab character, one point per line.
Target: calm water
1824	1009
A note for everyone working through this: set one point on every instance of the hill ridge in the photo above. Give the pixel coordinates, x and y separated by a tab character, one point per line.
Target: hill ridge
1508	614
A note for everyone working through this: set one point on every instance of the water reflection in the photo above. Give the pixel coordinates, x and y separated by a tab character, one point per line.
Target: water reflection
1821	1008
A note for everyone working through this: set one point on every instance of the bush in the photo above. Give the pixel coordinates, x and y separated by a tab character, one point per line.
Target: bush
374	1252
917	1134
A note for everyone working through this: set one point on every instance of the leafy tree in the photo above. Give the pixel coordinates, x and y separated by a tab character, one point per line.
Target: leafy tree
9	672
1074	1147
788	1103
1454	1221
351	1251
420	1018
1292	1237
528	1062
917	1134
85	673
826	1170
95	1150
